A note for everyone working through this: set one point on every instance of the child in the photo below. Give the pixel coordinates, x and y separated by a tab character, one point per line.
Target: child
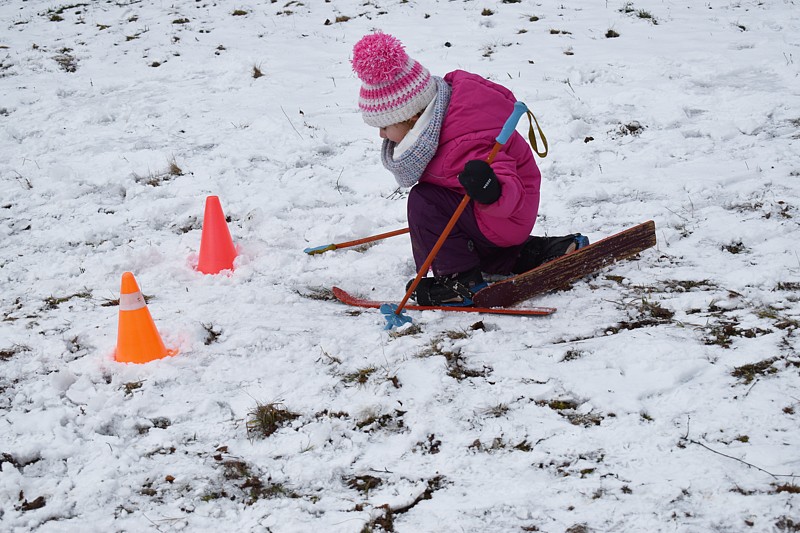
437	133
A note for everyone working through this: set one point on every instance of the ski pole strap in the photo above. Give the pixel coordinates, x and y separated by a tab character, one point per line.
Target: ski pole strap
532	135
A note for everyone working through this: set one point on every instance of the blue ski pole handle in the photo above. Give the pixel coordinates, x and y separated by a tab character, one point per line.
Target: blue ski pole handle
320	249
335	246
511	122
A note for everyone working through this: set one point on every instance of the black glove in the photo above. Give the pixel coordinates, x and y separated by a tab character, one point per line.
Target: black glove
480	182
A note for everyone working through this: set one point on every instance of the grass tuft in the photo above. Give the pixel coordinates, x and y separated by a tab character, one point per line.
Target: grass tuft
735	248
53	302
387	422
159	178
722	334
67	61
360	376
384	521
747	373
642	14
8	353
363	483
496	411
413	329
633	128
572	355
560	405
132	387
212	333
254	488
322	294
456	365
266	419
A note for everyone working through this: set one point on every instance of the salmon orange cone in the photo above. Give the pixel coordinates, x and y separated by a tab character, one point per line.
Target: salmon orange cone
217	251
138	340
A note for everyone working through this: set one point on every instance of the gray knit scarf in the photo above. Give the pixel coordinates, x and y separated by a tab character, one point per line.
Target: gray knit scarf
408	168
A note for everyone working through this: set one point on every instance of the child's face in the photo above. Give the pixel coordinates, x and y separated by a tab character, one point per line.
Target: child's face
396	132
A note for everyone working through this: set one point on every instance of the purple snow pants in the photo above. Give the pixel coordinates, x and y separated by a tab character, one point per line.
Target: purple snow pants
429	210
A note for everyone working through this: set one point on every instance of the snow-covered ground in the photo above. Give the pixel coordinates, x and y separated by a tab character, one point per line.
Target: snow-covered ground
664	395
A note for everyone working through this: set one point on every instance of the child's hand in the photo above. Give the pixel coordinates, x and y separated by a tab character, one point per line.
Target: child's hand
480	182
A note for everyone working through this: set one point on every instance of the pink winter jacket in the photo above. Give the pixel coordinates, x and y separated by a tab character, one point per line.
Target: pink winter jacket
476	114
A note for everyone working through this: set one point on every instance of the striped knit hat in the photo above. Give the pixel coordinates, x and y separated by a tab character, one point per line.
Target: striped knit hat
394	87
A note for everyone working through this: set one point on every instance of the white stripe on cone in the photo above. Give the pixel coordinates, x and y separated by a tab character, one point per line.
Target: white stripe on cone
131	302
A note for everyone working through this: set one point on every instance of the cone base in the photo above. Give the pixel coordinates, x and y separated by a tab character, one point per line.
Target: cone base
141	360
212	270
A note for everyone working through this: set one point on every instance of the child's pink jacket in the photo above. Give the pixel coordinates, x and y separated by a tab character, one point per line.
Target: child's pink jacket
476	114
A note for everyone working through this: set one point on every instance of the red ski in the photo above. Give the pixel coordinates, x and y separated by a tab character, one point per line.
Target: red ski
568	268
349	299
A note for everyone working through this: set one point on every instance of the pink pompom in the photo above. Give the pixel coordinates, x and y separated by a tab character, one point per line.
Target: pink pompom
378	57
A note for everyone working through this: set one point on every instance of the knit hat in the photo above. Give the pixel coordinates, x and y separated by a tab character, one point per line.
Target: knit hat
394	87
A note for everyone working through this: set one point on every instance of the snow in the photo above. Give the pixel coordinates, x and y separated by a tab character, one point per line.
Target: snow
630	409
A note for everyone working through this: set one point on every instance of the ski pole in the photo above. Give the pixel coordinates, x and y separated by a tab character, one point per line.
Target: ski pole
328	247
505	133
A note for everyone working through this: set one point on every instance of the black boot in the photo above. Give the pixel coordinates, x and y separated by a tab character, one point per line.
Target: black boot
451	289
540	250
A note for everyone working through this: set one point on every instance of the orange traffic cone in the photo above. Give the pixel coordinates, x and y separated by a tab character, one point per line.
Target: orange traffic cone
217	251
138	340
